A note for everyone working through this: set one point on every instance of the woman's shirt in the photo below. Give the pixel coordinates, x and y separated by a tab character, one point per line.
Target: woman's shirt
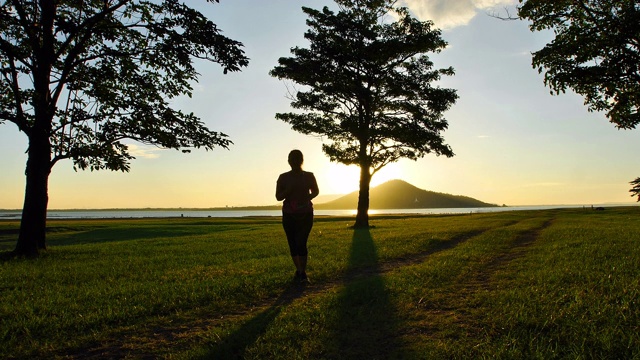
297	188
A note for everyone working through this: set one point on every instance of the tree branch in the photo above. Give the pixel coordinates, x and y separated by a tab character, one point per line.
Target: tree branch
20	118
85	30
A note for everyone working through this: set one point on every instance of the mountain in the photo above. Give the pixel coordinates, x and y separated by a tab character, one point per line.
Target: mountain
322	198
398	194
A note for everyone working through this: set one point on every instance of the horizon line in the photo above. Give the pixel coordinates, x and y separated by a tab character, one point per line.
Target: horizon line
278	205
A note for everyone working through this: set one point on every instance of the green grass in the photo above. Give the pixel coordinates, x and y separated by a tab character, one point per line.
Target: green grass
549	284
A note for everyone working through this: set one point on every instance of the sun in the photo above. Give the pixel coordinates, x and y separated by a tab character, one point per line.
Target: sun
343	179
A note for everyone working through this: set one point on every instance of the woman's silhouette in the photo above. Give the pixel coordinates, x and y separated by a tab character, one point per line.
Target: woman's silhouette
297	188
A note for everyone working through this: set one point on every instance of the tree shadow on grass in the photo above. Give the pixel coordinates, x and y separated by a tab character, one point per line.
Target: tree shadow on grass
72	236
8	238
234	345
7	255
109	235
365	327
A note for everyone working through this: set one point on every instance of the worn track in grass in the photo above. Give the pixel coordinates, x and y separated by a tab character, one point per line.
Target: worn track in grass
184	332
435	313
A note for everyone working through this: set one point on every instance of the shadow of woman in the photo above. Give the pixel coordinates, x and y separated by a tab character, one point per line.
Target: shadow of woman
234	345
365	325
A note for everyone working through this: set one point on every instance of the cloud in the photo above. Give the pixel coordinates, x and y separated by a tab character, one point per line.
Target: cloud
145	152
447	14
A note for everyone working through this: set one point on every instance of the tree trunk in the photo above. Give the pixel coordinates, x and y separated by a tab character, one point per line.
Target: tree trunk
33	224
36	198
362	216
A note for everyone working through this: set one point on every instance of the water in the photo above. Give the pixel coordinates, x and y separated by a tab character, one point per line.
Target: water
123	214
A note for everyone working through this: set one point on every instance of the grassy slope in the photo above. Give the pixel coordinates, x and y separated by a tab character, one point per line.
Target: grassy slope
541	284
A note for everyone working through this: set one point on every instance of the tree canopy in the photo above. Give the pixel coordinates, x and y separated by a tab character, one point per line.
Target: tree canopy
367	87
79	77
595	52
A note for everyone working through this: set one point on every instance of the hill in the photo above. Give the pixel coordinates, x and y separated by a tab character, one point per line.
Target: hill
398	194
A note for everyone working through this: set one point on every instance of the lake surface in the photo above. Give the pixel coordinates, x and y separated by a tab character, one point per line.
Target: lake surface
124	214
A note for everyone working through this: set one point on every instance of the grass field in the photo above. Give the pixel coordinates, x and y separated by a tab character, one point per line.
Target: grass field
547	284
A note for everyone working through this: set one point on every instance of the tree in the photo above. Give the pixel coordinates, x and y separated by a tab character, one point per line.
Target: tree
595	52
635	189
78	77
367	88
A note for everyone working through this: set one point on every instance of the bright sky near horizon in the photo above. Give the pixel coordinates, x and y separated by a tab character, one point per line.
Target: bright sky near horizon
515	144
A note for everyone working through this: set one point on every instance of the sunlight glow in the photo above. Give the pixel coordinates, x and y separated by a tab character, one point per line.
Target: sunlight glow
389	172
342	179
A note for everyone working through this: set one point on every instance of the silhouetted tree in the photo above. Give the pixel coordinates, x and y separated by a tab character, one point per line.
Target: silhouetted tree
368	87
595	52
78	77
635	190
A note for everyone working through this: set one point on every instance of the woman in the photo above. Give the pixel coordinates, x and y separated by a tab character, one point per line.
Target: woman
297	188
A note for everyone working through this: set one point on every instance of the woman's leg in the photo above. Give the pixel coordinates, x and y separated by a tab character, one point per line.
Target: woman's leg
300	261
297	261
305	225
290	229
297	228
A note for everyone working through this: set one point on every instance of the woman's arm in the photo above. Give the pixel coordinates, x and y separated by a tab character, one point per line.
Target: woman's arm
281	189
313	188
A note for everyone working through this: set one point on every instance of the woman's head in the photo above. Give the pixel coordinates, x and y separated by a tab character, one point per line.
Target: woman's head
295	159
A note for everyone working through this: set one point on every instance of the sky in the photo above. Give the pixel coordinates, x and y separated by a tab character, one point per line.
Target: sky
515	143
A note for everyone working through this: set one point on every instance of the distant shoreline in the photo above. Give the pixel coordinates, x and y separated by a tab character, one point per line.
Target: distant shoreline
318	207
243	208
